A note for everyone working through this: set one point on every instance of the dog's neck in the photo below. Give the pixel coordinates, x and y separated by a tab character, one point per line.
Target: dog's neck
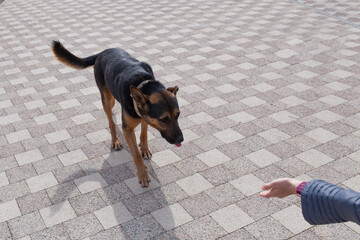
140	86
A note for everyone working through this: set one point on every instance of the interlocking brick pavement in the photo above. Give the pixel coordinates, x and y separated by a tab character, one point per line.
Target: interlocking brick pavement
268	89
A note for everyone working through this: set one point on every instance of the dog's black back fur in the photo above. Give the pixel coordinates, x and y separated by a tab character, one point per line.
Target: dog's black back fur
115	69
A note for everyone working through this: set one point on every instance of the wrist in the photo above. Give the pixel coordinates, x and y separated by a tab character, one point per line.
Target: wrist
300	187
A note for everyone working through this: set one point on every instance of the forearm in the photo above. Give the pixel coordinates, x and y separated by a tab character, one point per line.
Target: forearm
324	203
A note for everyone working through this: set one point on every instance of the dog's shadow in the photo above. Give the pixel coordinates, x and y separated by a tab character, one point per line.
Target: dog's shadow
144	212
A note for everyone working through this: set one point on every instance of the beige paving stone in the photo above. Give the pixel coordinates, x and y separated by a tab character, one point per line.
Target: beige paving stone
134	185
57	136
113	215
213	157
353	183
274	135
242	117
171	216
9	210
72	157
231	218
98	136
83	118
4	120
165	157
321	135
28	157
262	158
18	136
57	213
47	118
90	183
292	218
40	182
314	158
3	179
248	184
194	184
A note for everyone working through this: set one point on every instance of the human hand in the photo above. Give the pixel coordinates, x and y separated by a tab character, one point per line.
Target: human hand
280	188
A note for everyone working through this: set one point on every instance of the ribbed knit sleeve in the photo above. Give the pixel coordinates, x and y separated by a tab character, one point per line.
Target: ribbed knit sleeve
323	203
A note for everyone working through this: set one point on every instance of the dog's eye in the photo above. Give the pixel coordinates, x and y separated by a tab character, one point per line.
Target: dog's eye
177	115
165	119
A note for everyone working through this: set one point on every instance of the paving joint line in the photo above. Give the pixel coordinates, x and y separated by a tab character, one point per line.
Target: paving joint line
326	13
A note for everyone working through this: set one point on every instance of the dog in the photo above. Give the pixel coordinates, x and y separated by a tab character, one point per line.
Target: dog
143	99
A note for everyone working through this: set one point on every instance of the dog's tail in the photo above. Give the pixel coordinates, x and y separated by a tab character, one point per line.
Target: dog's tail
69	59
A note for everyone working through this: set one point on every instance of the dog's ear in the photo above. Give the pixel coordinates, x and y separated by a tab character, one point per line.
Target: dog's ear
173	89
140	98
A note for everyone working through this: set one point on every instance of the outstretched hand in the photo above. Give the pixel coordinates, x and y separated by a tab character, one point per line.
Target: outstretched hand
280	188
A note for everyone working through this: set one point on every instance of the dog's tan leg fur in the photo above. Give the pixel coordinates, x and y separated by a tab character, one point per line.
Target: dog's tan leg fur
144	148
108	103
128	129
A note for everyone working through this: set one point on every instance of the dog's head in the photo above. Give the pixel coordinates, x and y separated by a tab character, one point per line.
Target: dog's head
160	110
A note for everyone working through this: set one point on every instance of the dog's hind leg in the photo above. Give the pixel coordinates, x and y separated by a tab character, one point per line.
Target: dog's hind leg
108	102
144	148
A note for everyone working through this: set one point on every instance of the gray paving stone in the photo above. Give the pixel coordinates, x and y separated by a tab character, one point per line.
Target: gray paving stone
8	163
169	194
62	192
68	173
232	194
240	234
83	226
204	227
141	204
327	174
251	206
26	224
268	228
4	231
333	232
142	228
87	203
199	205
33	201
116	233
115	193
53	233
20	173
13	191
116	174
218	175
191	166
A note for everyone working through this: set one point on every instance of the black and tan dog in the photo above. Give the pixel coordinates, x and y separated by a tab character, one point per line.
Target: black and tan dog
143	99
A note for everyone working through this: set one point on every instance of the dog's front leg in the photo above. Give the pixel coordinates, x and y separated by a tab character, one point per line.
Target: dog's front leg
144	148
138	160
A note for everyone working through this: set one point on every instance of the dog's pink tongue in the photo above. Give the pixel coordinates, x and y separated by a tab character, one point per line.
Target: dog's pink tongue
178	144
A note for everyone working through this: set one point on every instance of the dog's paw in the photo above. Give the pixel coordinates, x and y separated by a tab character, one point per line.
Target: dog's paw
143	178
145	153
117	145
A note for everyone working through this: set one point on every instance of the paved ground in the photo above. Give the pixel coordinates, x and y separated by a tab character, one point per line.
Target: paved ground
268	89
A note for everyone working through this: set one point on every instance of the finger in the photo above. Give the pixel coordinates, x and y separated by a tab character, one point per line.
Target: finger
264	194
274	192
267	186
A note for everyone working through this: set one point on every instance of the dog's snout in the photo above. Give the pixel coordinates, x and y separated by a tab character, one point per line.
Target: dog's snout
179	139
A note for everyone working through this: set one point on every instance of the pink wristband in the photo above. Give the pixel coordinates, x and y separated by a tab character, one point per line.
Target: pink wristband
300	187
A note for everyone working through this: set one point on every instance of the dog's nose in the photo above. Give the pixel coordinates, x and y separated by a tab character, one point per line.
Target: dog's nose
179	139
